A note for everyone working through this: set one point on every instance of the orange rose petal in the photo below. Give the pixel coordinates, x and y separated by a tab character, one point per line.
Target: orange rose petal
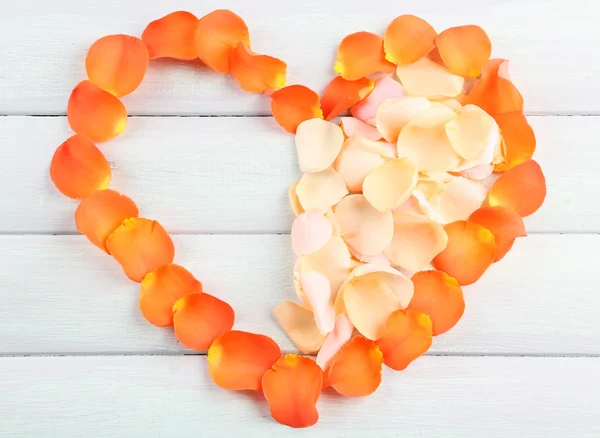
522	188
217	34
172	36
160	290
470	251
101	213
300	325
464	49
256	73
361	54
519	139
78	168
200	318
95	113
355	371
408	39
238	360
439	296
292	387
494	92
341	94
504	223
293	105
140	246
117	63
407	336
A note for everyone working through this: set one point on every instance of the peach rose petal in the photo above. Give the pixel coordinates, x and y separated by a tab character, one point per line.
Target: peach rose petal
470	131
172	36
495	93
522	188
426	78
78	168
519	139
317	290
379	259
217	34
341	94
453	104
440	297
408	39
101	213
424	141
238	360
200	318
470	251
256	73
160	290
292	387
341	334
355	371
293	105
390	184
394	114
464	49
361	54
504	223
352	126
417	240
310	232
318	143
117	63
294	201
461	197
140	246
299	324
321	190
95	113
364	228
407	336
479	172
384	88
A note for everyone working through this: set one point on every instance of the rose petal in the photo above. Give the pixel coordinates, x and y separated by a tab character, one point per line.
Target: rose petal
470	251
408	39
464	49
384	88
217	34
361	54
341	334
299	324
160	290
310	232
256	73
172	36
426	78
364	228
453	104
200	318
101	213
78	168
471	131
461	197
318	144
504	223
117	63
417	240
352	126
294	104
439	296
294	201
292	387
377	259
522	188
479	172
355	371
315	286
321	190
238	360
390	184
140	246
95	113
519	139
394	114
340	94
407	336
495	93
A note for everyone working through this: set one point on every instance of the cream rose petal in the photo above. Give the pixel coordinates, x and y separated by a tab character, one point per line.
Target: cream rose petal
299	324
353	126
318	143
390	184
427	78
461	197
470	131
393	114
335	340
491	153
294	201
310	231
385	88
321	190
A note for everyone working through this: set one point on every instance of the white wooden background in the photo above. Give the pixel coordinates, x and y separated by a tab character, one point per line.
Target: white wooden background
77	359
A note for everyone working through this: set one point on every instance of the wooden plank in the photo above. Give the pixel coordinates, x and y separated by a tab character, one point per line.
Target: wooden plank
61	295
436	396
223	175
548	45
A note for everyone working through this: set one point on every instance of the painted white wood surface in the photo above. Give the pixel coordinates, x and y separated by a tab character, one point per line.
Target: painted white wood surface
43	43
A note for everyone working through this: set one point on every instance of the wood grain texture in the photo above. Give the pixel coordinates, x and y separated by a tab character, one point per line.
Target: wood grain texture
44	43
224	175
162	396
63	296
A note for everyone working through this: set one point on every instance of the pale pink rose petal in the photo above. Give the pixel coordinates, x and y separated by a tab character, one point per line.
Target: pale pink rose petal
470	132
317	289
427	78
321	190
390	184
410	206
353	126
294	201
479	172
318	143
335	340
461	198
299	324
379	259
391	148
330	215
385	88
310	231
394	114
